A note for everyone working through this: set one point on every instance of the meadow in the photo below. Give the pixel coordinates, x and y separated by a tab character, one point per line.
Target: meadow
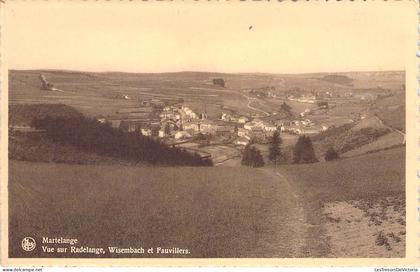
232	212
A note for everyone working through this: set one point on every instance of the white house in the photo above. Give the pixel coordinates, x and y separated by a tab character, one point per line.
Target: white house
146	131
242	120
249	125
182	135
162	133
242	141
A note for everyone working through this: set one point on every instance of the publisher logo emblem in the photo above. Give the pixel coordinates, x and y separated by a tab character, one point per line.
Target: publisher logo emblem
28	244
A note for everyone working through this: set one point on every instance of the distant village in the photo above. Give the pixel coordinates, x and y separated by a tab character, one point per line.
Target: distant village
175	122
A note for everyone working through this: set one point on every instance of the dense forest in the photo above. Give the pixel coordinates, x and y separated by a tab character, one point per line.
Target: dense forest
23	114
89	135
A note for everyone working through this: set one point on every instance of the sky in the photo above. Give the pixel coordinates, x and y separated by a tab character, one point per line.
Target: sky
285	37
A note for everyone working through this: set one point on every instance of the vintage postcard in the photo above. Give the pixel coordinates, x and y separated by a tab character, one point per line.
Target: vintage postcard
195	133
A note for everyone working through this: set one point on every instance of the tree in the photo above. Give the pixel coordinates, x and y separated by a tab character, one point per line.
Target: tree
257	158
304	151
252	157
331	154
274	148
286	108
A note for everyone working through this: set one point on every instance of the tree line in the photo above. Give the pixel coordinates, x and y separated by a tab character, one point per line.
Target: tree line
303	152
89	135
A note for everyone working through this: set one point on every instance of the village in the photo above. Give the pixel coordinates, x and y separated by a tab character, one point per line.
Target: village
175	123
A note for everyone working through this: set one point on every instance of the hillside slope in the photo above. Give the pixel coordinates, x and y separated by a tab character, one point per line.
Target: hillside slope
232	212
350	136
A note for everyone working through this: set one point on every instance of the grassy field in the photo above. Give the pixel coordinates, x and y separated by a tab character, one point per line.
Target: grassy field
376	179
231	212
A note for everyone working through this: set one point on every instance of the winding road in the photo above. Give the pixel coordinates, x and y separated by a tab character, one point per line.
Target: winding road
250	100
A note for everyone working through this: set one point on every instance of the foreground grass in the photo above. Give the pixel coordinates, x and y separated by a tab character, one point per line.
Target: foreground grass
367	177
213	212
371	179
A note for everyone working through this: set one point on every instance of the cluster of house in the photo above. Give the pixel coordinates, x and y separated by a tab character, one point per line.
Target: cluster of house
322	94
363	96
259	130
183	123
256	130
231	118
299	127
180	122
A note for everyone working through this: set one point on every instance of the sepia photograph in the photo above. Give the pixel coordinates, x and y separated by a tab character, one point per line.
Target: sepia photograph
206	130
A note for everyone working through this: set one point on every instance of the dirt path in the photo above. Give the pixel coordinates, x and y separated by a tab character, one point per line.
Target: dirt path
293	219
309	232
